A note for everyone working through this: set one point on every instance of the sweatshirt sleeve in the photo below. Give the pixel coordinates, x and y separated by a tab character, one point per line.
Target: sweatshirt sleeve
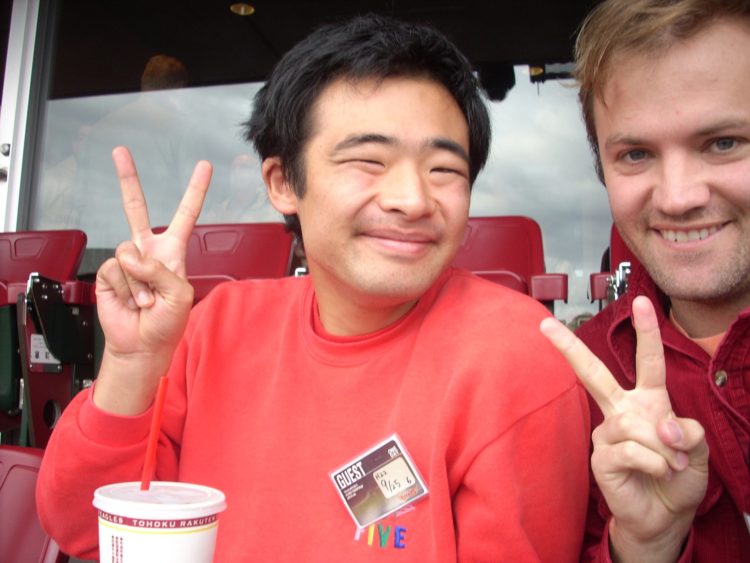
524	496
90	448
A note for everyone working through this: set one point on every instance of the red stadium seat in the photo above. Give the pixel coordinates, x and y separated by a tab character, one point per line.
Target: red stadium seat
53	254
508	250
22	538
49	318
217	253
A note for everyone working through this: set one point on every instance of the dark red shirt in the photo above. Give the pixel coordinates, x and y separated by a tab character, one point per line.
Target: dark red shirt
714	391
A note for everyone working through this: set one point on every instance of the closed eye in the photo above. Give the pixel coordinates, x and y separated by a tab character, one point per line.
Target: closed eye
363	162
448	171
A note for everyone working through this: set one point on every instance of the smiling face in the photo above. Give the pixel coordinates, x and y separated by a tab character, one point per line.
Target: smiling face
386	197
674	135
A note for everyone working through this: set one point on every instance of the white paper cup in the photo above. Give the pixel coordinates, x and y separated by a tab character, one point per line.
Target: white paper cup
169	522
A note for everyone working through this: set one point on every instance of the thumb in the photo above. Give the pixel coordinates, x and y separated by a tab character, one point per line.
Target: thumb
686	435
129	258
149	277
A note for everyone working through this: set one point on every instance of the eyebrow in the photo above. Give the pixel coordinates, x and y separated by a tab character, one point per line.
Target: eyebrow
723	126
451	146
709	130
367	138
620	139
364	139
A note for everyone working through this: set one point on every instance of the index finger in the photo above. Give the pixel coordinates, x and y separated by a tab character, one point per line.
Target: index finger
591	371
133	201
650	368
192	201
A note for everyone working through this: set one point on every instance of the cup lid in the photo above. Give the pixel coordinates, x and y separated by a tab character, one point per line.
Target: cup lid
186	499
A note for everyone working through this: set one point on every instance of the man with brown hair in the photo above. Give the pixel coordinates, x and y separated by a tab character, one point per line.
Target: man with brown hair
664	89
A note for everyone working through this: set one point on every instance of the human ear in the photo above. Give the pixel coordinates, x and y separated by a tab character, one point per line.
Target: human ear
280	192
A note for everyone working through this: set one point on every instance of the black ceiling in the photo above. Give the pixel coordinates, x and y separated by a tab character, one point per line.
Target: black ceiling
101	46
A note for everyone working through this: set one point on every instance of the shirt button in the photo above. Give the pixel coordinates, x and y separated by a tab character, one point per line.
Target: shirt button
720	378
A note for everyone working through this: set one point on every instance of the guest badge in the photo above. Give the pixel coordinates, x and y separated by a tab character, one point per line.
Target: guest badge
379	482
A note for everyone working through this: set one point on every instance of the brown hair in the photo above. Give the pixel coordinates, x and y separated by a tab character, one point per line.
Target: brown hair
617	27
164	72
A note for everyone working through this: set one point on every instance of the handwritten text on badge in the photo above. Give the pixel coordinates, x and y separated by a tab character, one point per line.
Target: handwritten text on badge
394	477
378	482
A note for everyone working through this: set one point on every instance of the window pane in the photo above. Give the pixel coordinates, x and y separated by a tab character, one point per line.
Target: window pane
540	166
167	131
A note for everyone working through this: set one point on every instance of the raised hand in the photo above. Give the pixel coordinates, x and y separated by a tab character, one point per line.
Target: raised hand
651	467
143	297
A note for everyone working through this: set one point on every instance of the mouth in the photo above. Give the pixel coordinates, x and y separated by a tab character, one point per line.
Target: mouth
401	242
689	235
397	236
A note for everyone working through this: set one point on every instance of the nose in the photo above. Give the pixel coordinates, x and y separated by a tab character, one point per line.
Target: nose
681	186
406	191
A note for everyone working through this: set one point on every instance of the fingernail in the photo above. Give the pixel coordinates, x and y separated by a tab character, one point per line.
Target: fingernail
675	432
144	298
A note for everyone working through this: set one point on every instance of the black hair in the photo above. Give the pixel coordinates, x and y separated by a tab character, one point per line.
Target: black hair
370	46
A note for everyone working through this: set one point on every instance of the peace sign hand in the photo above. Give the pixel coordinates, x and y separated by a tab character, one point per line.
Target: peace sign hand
651	467
143	296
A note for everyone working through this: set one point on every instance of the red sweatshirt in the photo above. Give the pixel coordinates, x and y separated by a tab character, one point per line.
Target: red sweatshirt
263	405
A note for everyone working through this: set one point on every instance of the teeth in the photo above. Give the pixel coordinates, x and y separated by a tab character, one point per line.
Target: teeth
688	236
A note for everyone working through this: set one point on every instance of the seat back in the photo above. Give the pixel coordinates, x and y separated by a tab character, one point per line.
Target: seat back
511	243
222	252
22	539
240	251
54	254
508	250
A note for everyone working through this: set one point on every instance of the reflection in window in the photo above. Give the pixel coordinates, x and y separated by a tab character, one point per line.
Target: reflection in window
167	131
539	166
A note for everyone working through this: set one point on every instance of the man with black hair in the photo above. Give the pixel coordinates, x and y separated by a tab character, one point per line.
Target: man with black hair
377	409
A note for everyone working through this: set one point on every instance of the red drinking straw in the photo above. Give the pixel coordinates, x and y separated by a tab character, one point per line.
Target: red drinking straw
153	435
